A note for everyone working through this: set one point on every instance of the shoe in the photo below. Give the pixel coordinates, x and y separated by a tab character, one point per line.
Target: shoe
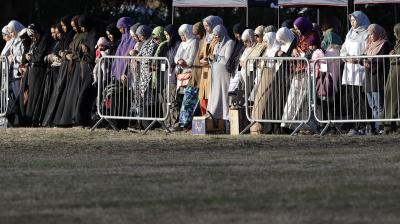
381	132
352	132
176	129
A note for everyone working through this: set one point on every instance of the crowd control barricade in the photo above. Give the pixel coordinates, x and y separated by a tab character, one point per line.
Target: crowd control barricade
140	92
3	86
360	91
277	90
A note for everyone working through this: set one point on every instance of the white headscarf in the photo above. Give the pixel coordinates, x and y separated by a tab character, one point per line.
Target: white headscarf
15	26
260	30
248	35
212	22
272	44
187	31
4	31
360	32
285	37
221	31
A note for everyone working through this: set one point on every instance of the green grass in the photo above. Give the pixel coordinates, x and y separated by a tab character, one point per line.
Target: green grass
75	176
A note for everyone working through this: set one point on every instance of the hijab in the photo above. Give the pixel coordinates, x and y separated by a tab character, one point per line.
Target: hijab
373	47
158	33
360	32
285	37
112	29
259	31
272	44
222	33
172	31
270	28
238	28
187	31
126	44
212	22
15	26
304	25
85	21
248	35
144	31
198	29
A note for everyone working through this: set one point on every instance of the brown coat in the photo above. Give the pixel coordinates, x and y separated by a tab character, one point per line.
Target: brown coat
196	70
206	51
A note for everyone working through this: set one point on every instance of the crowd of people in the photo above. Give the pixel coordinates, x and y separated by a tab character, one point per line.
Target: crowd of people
52	80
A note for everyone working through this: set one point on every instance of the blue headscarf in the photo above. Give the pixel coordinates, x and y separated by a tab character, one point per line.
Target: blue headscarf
127	43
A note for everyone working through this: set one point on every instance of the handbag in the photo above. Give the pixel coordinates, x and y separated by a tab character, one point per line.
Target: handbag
183	79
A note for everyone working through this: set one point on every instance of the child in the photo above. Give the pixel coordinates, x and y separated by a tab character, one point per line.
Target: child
102	49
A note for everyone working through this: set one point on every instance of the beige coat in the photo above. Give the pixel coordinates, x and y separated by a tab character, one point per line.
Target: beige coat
206	51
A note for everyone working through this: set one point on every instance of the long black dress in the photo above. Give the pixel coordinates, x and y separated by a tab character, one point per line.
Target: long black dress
87	93
36	76
50	80
62	77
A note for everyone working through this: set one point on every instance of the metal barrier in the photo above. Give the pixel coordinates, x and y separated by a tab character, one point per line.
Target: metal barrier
352	91
135	94
277	90
4	68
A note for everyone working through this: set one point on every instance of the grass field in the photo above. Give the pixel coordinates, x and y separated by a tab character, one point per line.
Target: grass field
75	176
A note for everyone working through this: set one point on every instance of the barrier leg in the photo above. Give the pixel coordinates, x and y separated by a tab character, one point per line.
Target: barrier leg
247	128
97	124
164	126
297	129
325	129
148	127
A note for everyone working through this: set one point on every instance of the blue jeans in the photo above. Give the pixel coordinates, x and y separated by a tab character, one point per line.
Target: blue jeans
375	101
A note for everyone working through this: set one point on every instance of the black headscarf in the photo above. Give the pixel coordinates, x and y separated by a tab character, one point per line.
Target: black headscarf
238	28
34	28
67	21
86	21
113	30
172	31
75	19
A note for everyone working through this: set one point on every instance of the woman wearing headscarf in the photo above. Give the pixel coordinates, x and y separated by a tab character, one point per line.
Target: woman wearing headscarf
218	104
138	44
329	31
200	33
375	70
7	38
296	103
280	84
114	37
145	88
40	45
64	115
53	63
15	57
354	73
392	88
172	45
69	45
206	50
119	66
268	70
249	41
87	92
159	38
184	60
238	49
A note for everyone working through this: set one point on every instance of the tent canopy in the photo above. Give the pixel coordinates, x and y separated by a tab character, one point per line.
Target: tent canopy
375	1
209	3
313	2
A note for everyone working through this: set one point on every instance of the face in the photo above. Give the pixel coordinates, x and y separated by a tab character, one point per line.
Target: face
12	33
110	36
353	22
53	33
83	29
218	38
64	27
122	30
371	36
207	27
141	38
157	40
237	36
35	37
296	29
247	43
183	38
58	34
74	27
259	38
167	36
135	37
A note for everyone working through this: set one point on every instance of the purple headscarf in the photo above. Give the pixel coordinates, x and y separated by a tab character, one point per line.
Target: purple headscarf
127	43
304	25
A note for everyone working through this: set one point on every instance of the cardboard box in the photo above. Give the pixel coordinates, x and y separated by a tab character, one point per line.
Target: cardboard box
237	120
203	126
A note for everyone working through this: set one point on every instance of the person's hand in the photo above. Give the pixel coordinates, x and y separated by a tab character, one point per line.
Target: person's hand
280	53
182	63
391	52
124	78
367	63
132	52
203	62
22	69
85	49
69	57
295	53
28	56
10	58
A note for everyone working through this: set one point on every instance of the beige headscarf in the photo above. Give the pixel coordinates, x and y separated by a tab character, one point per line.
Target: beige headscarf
373	47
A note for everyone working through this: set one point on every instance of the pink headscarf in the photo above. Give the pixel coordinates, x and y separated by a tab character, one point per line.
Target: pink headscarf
373	47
